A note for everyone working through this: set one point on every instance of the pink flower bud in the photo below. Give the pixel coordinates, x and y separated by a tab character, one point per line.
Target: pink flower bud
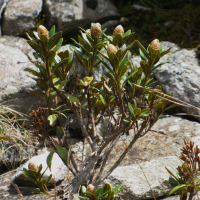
96	30
88	31
118	30
155	45
111	48
42	30
32	166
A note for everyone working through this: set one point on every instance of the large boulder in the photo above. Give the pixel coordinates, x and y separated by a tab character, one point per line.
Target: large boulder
181	76
71	14
19	15
15	82
135	182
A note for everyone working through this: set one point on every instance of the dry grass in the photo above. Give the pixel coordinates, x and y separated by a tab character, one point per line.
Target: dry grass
20	146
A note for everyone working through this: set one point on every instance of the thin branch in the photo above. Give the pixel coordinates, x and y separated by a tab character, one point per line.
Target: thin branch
84	149
79	119
105	155
93	130
66	145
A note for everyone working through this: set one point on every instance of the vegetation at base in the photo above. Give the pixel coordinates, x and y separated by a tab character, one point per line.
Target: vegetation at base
16	143
175	21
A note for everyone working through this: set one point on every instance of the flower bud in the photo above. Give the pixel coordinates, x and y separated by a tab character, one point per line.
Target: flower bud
96	30
111	48
155	45
32	166
107	187
118	30
91	189
42	30
88	31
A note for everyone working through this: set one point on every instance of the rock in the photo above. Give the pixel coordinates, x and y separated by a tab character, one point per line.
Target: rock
138	7
136	186
71	14
15	82
58	170
110	25
181	76
19	15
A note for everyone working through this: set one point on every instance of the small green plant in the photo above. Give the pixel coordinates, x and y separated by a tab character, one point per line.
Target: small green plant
187	178
104	193
33	173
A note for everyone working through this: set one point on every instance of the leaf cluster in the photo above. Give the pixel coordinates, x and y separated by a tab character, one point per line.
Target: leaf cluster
187	177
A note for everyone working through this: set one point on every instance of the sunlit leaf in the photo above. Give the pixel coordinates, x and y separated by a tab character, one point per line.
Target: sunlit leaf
49	159
52	119
63	153
87	80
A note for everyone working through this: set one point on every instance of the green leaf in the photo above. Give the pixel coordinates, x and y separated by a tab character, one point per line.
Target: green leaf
131	110
182	187
122	71
126	80
80	59
60	64
135	103
83	189
87	80
176	178
4	138
145	112
102	99
52	31
81	46
86	39
58	45
52	119
107	66
119	188
59	132
137	111
165	52
104	56
127	120
112	78
37	94
29	188
33	72
51	55
37	47
142	49
173	182
124	61
111	195
55	40
49	159
117	41
73	99
63	153
42	84
36	35
44	39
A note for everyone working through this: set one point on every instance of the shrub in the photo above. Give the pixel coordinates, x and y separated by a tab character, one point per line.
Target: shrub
123	94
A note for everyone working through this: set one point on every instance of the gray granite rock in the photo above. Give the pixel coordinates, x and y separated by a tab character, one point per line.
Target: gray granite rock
15	82
136	186
19	15
71	14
